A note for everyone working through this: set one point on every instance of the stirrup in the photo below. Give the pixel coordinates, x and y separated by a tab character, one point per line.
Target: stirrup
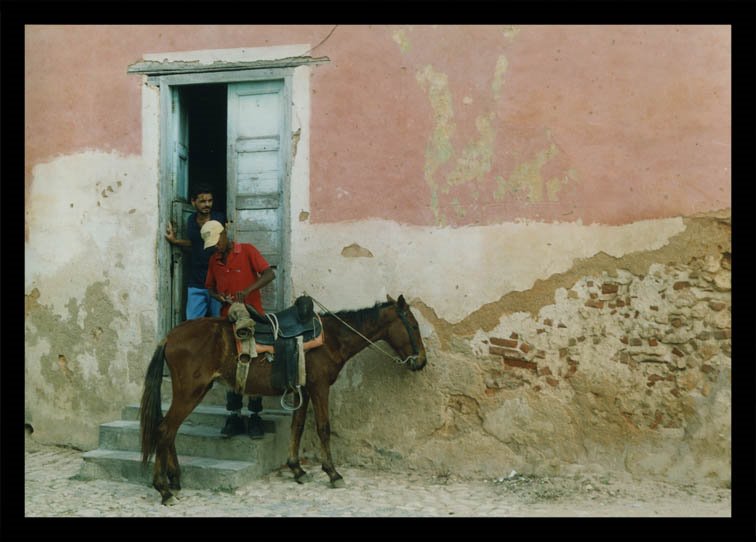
292	390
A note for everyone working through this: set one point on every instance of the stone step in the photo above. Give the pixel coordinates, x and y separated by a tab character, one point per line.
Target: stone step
196	472
215	416
201	440
216	395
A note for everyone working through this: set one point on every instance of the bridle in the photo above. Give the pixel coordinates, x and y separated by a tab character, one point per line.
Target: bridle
402	316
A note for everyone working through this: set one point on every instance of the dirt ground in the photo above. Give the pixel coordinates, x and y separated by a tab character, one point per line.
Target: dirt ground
53	490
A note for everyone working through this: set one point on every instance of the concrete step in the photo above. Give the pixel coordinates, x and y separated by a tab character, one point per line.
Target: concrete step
206	441
215	416
216	395
196	472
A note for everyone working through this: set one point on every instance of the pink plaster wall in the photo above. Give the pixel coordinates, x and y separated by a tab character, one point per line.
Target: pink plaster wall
640	115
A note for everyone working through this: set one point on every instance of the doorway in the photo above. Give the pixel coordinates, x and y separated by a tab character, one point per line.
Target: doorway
206	112
234	136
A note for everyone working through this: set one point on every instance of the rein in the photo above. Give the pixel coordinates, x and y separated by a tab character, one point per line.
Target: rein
373	345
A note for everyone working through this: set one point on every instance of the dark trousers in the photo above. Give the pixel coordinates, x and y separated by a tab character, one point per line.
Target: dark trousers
234	401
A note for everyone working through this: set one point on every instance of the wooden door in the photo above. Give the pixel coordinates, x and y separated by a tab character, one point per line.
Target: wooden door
256	166
181	206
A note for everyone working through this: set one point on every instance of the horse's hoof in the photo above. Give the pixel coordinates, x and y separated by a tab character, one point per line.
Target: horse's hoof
338	483
306	477
170	501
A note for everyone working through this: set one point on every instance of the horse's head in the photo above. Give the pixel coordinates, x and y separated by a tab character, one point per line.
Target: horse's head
404	334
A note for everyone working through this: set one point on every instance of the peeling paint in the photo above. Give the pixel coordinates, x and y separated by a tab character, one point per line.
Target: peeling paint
457	271
400	37
526	178
498	82
356	251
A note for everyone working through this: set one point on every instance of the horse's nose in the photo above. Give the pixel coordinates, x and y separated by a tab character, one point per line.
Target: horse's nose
418	362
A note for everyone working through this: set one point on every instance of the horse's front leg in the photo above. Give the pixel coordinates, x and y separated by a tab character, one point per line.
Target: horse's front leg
297	427
320	406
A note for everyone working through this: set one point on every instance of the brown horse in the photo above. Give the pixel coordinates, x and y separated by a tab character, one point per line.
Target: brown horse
197	352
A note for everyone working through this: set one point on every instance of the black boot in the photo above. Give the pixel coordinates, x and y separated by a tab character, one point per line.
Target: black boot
255	426
234	425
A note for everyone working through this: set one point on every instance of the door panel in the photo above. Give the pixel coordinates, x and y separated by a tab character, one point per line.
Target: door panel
256	168
180	206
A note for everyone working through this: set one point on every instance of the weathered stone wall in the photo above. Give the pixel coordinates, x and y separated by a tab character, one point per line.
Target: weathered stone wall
626	367
536	197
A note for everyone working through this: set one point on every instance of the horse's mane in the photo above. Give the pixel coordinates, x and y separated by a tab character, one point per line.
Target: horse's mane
361	317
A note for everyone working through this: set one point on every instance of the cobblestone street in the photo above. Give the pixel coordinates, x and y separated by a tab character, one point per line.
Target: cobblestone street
52	490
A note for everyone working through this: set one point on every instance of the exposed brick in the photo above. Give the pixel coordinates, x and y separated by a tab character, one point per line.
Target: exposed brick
540	330
657	420
675	392
548	322
544	371
562	325
595	304
540	354
680	285
594	296
504	342
676	351
676	322
624	340
717	306
609	288
722	334
704	335
525	347
563	352
706	368
514	336
506	352
551	381
619	303
635	341
589	283
521	363
536	388
654	308
653	342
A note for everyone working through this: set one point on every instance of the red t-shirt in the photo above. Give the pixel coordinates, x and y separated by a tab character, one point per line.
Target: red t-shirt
244	265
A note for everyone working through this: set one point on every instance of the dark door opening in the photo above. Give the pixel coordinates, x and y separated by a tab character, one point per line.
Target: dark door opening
207	112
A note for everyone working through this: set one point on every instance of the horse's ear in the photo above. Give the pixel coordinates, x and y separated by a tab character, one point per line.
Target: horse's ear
402	303
390	299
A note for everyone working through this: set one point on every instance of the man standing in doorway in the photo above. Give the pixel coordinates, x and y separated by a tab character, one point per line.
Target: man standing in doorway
199	303
235	273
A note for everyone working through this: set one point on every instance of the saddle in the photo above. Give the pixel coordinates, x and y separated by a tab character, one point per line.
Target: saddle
287	335
299	320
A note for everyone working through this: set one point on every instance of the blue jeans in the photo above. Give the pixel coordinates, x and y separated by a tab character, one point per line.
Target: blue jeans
199	304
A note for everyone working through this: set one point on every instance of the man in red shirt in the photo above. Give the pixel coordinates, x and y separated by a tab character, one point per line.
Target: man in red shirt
235	273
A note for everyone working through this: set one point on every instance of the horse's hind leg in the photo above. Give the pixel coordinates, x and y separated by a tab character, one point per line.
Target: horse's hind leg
182	405
297	426
320	406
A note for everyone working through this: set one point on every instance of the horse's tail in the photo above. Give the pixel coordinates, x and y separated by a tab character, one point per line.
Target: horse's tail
151	411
